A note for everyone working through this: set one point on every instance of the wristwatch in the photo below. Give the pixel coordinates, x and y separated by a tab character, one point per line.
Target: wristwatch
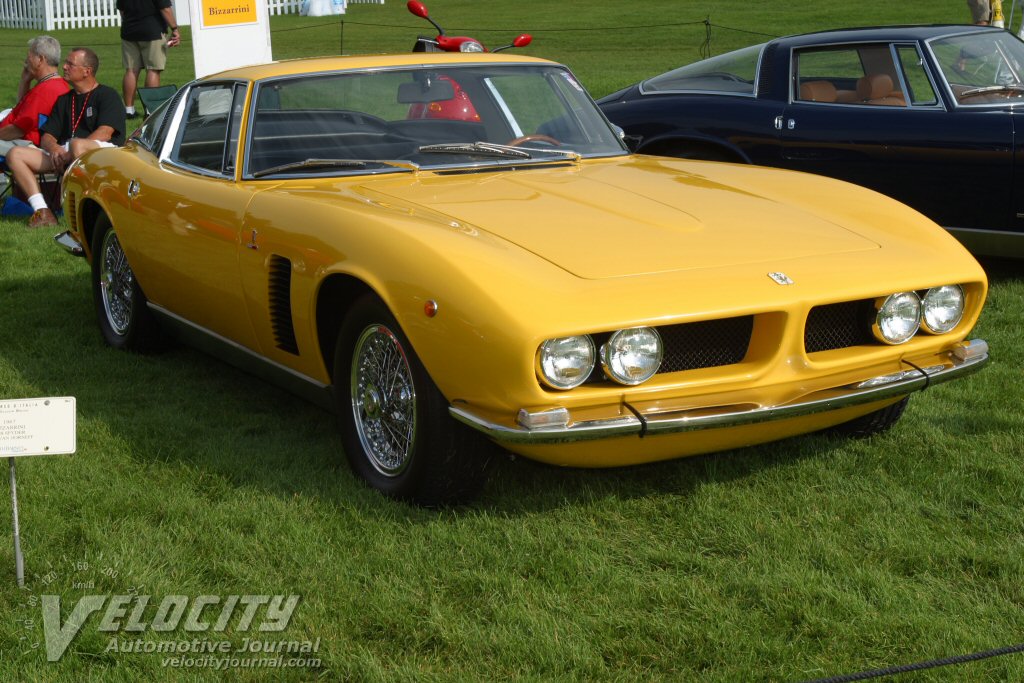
173	28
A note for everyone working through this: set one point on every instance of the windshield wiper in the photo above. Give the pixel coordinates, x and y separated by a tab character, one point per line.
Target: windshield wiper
992	88
480	149
333	163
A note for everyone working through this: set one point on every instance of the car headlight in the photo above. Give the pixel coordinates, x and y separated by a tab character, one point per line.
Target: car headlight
566	362
632	356
471	46
942	308
898	318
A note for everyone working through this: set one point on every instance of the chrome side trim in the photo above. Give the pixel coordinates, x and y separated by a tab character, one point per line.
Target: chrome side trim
246	359
889	386
70	244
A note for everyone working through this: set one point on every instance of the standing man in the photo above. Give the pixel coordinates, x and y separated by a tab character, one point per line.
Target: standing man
89	116
144	44
21	126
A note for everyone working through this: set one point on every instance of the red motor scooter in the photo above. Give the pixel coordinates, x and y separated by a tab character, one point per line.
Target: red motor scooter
458	107
446	43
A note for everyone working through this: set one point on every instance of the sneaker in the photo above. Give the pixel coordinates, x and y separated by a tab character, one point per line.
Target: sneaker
42	218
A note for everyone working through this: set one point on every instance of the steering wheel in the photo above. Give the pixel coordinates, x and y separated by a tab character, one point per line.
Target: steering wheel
534	138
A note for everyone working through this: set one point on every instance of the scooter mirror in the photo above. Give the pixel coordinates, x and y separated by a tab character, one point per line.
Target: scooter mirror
522	40
417	8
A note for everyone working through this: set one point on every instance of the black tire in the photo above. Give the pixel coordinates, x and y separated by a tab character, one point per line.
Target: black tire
874	423
125	320
400	439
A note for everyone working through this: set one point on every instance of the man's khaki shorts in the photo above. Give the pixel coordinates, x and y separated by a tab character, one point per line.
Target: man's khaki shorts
980	10
144	54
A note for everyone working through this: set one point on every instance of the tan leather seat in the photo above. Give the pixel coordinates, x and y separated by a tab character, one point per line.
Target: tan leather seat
818	91
878	89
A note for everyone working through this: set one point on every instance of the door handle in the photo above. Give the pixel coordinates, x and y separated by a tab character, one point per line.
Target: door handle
133	188
778	123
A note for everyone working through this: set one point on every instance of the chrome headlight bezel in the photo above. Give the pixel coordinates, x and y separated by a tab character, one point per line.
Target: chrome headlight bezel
897	318
581	346
613	353
938	298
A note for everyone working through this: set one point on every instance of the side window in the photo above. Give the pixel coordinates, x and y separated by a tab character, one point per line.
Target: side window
731	73
204	127
863	74
915	74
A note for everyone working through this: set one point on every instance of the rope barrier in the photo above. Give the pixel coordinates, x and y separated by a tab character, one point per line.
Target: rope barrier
705	49
520	29
920	666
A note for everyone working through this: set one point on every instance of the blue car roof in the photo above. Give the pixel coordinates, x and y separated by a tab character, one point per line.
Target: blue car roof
844	35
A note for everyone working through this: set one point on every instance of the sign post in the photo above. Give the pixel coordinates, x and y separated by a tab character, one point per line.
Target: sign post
33	426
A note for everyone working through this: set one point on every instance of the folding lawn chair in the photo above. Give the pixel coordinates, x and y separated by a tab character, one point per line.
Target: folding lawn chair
154	97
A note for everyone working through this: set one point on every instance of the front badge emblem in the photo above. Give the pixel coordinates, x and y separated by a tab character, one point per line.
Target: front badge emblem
780	278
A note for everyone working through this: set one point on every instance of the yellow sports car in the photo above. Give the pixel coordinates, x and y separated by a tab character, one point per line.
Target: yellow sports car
446	247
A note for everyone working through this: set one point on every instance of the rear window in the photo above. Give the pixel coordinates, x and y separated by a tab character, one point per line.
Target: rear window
733	73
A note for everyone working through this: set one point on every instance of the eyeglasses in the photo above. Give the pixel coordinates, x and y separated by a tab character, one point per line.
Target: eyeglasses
71	65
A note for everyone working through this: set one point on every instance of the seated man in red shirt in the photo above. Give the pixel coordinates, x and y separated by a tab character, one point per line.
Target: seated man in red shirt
21	126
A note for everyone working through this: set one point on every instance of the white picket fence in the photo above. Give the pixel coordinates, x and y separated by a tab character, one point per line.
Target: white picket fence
51	15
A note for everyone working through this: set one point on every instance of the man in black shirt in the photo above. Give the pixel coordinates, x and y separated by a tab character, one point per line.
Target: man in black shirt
91	115
143	44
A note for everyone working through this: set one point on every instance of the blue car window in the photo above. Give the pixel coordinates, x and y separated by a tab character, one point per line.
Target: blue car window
915	75
734	73
856	75
982	68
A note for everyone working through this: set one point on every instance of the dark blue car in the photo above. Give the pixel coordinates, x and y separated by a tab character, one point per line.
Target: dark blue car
930	115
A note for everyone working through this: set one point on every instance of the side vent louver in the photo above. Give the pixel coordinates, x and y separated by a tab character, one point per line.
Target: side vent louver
281	304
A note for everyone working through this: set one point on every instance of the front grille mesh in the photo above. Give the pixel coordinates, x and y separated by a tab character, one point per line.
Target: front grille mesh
706	344
839	326
715	343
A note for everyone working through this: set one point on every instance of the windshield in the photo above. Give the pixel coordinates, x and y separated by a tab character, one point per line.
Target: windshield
423	117
733	72
982	68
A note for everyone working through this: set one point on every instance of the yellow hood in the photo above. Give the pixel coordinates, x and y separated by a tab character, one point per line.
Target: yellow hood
623	217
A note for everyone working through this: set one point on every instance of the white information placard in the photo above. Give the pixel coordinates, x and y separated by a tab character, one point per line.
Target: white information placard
37	426
229	33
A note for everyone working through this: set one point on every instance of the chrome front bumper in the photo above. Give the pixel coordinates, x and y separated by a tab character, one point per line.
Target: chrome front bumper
965	360
70	244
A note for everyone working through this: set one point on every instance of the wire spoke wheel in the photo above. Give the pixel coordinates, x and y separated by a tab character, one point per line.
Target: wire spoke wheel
116	282
121	308
383	400
398	434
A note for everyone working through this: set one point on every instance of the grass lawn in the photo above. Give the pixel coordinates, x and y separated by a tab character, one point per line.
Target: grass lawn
811	557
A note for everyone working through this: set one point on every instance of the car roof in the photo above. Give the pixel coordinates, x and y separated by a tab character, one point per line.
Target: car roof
292	67
884	33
